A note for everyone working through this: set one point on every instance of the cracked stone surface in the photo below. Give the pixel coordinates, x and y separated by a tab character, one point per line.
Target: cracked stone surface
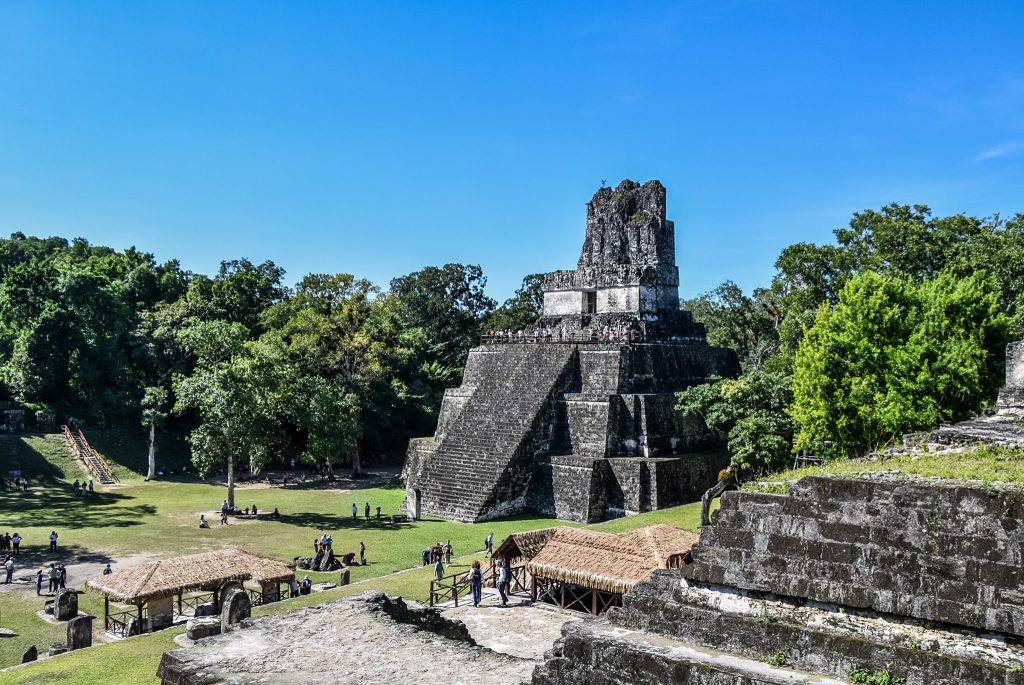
352	640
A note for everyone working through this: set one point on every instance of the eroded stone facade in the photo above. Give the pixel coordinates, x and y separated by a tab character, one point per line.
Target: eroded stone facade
580	423
911	577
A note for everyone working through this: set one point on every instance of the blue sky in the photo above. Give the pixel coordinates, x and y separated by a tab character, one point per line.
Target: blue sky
349	137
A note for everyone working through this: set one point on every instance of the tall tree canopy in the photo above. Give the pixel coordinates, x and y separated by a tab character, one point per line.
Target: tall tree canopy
894	356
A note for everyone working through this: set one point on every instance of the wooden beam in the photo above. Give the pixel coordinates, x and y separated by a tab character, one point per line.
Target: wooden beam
106	612
593	600
533	589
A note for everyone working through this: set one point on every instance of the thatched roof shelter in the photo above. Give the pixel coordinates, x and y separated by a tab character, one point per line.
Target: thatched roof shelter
205	571
523	546
608	562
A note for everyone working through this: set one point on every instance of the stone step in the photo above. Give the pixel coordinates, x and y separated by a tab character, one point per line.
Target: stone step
649	658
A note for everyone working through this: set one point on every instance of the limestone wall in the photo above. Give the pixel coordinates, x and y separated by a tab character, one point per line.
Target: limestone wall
948	553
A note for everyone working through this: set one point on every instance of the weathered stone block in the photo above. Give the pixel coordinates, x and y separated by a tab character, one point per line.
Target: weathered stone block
66	604
80	632
236	607
207	609
30	654
198	628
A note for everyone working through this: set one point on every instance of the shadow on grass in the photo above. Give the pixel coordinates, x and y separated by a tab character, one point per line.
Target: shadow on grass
57	507
39	555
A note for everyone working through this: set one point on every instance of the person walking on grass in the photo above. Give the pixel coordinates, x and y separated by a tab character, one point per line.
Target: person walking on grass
355	512
39	581
439	570
448	553
476	579
53	541
362	554
366	512
489	544
9	567
15	543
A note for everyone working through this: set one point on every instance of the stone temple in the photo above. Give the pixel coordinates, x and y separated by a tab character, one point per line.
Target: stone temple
575	417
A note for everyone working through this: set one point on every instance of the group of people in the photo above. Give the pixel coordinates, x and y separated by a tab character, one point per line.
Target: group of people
303	588
18	482
226	511
438	554
82	488
58	575
366	512
10	544
607	333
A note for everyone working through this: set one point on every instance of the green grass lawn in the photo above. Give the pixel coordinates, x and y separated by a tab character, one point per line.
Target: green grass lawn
985	465
161	518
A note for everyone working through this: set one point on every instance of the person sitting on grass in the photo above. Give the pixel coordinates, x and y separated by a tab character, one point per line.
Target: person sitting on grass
203	523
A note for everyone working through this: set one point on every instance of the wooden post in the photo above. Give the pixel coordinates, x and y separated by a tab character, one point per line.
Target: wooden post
593	601
562	600
179	604
106	612
533	589
141	629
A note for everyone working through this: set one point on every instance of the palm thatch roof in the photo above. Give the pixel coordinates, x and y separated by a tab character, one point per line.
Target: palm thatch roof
204	571
613	563
524	545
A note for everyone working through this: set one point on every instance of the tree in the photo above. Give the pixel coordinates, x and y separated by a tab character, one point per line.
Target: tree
449	304
154	403
749	325
239	389
750	412
522	309
329	414
893	356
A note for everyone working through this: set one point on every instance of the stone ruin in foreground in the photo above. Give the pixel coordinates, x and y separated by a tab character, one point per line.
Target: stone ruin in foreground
574	427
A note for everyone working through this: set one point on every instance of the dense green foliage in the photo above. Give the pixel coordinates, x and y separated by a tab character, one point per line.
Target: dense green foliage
251	370
897	325
893	356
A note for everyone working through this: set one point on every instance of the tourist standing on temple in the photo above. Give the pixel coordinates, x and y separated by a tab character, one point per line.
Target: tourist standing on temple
503	578
476	579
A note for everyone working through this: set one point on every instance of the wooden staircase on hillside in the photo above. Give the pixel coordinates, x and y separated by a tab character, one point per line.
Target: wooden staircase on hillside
94	463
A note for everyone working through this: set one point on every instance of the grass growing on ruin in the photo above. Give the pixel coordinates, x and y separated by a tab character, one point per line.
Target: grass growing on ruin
984	464
160	519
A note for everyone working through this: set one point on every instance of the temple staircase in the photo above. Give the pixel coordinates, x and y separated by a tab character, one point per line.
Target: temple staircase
486	454
94	463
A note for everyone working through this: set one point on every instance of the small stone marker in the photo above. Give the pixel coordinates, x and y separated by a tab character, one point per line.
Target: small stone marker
56	649
208	609
206	626
344	578
80	632
237	606
66	604
31	654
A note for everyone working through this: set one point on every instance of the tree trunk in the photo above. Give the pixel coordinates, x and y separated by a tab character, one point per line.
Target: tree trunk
726	481
357	468
152	451
330	470
231	483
